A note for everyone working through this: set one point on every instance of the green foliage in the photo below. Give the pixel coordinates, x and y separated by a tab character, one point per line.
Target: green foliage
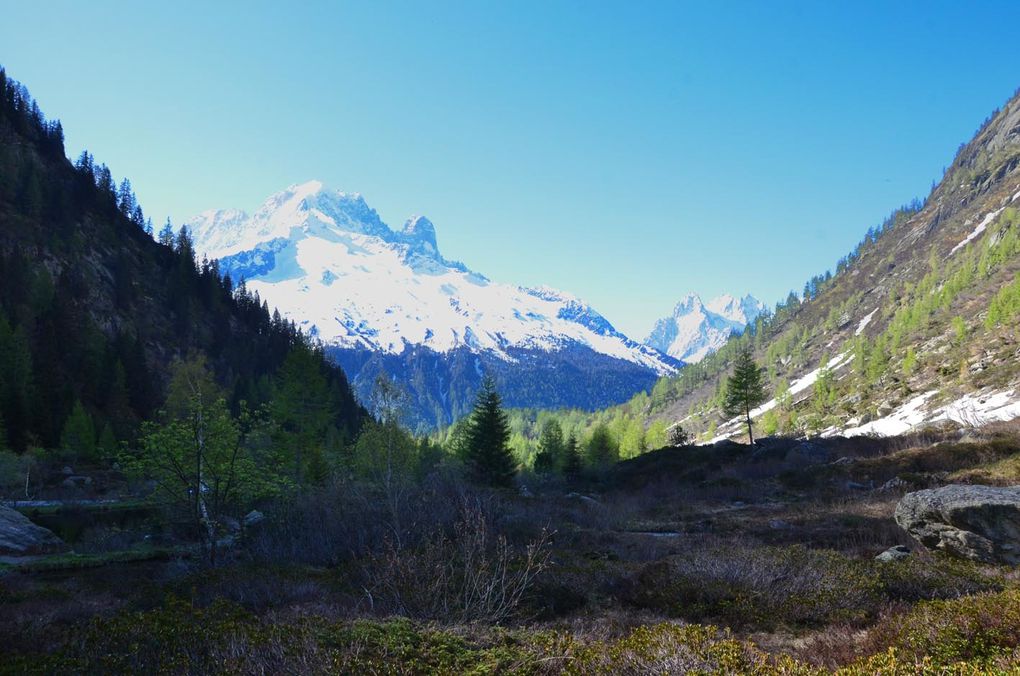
203	461
78	440
601	450
1005	306
678	436
384	453
550	448
487	440
976	629
572	464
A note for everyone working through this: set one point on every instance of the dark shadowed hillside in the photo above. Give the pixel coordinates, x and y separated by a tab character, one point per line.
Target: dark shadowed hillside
93	310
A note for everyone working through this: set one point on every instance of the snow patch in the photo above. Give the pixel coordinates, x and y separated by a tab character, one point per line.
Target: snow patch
985	222
900	421
864	322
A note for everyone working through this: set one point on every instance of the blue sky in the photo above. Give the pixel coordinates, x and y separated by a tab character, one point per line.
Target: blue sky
627	152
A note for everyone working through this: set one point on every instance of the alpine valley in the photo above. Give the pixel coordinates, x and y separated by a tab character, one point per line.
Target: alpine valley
387	301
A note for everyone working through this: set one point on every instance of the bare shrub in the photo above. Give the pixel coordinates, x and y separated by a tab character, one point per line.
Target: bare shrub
469	576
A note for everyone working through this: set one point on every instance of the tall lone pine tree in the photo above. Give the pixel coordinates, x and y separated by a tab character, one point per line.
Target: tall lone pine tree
488	440
745	389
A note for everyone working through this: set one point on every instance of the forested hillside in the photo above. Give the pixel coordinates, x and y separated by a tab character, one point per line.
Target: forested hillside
94	311
917	323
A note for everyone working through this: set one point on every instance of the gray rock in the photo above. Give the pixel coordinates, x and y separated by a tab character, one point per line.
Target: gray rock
981	523
19	536
76	481
894	484
779	524
893	554
254	517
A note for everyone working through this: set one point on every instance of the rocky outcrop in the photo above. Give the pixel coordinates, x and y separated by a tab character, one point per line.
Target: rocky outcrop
19	536
981	523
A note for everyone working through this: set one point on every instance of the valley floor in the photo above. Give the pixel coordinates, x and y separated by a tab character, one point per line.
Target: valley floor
712	559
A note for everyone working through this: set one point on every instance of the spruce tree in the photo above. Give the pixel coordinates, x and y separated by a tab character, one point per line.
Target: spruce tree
488	440
745	389
166	234
550	447
571	458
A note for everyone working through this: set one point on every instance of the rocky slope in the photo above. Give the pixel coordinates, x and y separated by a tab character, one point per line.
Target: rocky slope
916	325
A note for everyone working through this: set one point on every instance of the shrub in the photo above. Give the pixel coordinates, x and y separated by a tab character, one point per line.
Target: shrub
761	587
981	629
676	649
469	576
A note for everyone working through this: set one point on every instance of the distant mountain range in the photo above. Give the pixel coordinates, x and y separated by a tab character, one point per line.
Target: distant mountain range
387	300
696	329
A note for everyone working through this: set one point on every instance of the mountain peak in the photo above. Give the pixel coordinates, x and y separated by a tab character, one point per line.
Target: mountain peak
688	304
419	229
696	328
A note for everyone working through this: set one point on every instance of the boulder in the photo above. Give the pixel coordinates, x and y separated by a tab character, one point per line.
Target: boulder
253	518
19	536
981	523
893	554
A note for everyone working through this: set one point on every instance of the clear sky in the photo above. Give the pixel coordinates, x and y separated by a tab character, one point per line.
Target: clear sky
627	152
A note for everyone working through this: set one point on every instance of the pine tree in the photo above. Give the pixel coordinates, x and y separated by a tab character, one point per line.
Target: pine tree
745	389
488	440
550	448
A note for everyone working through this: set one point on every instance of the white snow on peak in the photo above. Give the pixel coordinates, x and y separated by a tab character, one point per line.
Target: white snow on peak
696	329
327	261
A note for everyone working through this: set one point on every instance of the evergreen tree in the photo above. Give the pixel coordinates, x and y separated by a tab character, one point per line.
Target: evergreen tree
550	448
166	234
571	458
678	436
300	409
745	389
488	440
125	198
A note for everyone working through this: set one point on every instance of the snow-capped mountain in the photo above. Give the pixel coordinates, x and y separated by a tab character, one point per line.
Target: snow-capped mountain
327	261
696	328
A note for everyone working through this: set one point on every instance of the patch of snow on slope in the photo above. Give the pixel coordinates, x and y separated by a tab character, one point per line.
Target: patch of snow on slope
979	409
864	322
989	217
971	409
900	421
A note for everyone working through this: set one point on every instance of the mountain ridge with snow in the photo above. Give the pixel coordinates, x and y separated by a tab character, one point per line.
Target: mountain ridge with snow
327	260
695	328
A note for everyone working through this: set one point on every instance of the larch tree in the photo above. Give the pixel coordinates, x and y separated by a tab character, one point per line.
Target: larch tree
745	389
